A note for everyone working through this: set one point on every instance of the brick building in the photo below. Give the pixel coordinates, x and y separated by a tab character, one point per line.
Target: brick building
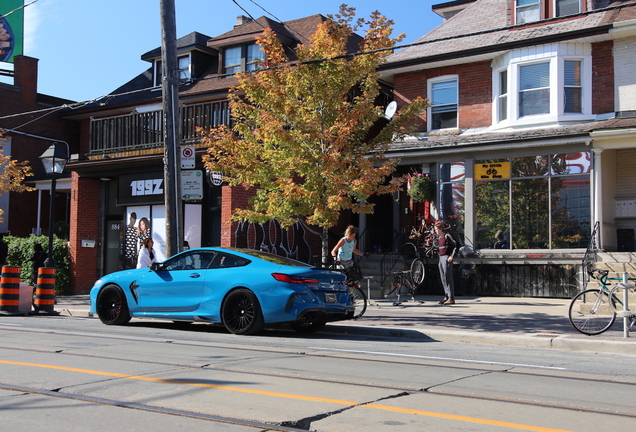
31	122
530	136
117	180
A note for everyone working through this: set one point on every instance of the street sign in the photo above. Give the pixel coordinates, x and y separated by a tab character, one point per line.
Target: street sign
187	158
192	185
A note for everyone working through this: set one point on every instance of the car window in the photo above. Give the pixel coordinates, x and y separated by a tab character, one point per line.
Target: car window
195	260
225	260
276	259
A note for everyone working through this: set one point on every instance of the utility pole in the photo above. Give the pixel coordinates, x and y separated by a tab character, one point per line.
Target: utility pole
170	92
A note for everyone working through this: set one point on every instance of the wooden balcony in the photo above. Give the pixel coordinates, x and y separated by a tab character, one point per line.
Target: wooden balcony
144	131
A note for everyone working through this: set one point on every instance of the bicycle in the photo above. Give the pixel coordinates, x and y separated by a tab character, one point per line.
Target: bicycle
427	243
593	311
358	297
401	285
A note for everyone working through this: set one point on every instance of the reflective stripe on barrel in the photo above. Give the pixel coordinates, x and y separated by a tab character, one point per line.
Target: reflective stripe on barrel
45	289
10	289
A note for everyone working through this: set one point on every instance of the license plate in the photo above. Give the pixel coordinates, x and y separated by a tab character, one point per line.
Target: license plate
330	297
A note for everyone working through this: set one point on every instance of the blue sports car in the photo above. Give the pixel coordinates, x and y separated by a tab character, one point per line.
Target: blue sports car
240	288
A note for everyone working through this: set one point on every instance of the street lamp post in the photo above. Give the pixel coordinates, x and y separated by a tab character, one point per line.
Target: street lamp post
54	160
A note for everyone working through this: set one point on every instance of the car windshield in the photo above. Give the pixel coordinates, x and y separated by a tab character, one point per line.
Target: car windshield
276	259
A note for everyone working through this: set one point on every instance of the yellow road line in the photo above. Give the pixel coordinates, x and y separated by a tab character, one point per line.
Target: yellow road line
297	397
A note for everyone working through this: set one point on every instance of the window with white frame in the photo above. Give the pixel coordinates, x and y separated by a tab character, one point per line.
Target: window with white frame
183	65
530	87
572	88
534	89
566	7
527	11
502	107
443	96
242	58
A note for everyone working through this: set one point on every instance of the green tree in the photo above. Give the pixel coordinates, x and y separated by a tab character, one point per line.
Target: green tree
300	129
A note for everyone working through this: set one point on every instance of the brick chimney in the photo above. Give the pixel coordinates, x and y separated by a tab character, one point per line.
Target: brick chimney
241	19
26	78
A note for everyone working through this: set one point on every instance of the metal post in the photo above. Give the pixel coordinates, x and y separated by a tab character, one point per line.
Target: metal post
626	320
49	262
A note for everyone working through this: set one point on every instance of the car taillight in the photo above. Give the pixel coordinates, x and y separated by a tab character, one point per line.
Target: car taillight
281	277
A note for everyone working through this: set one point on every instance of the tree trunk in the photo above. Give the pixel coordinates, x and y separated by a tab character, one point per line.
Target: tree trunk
325	247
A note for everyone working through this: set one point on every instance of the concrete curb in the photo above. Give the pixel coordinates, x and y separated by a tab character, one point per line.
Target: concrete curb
536	341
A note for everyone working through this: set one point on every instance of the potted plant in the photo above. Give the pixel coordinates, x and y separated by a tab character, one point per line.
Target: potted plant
421	187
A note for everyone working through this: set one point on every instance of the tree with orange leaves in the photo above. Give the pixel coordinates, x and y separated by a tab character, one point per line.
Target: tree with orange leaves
12	175
300	132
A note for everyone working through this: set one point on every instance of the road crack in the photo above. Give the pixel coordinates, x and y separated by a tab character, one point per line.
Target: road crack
305	423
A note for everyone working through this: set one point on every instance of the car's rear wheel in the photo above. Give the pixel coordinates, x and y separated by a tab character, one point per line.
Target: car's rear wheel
307	327
241	312
112	308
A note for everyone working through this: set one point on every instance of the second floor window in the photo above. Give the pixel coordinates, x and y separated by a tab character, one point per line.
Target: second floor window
241	58
502	113
443	112
572	88
527	11
534	89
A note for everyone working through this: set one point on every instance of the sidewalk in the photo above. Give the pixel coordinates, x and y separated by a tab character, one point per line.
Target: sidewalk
511	321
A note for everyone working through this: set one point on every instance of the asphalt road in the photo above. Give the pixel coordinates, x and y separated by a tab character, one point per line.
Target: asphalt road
77	374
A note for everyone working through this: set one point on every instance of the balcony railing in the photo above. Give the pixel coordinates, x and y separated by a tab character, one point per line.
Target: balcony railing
138	131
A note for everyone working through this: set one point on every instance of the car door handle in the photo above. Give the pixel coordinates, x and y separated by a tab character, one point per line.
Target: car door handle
195	275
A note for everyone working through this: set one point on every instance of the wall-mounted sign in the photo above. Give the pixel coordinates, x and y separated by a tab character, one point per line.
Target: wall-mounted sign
187	158
214	178
141	188
191	185
492	171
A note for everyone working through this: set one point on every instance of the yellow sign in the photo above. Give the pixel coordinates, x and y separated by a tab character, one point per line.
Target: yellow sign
492	171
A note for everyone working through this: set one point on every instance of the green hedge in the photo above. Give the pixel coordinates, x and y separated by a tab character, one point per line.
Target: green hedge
21	250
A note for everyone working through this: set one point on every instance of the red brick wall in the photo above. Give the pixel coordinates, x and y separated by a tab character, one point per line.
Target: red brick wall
602	77
84	226
475	92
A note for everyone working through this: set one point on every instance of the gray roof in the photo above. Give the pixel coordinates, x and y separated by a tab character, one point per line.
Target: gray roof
484	27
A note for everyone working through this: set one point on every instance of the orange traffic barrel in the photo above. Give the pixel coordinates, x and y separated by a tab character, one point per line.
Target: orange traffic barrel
10	290
45	291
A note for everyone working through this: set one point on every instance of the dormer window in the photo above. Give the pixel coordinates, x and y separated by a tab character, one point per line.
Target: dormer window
183	63
242	58
567	7
527	11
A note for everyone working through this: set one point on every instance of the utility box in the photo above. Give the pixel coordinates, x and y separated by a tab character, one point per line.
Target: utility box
625	240
25	298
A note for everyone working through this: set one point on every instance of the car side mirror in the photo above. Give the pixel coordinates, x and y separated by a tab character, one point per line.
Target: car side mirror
157	267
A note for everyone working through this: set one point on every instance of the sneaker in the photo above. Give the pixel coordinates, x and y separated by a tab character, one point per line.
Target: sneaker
450	301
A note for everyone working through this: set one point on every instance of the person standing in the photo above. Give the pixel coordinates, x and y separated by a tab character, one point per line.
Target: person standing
147	254
447	249
346	247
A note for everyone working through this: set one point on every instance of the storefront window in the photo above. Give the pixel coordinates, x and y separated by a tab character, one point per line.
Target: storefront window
451	196
543	203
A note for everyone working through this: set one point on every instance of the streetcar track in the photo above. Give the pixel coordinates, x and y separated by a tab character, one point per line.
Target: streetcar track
402	389
153	409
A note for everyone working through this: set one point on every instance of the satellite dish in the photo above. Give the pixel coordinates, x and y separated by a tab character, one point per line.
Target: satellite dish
390	110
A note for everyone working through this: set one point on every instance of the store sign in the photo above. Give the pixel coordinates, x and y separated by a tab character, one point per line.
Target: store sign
492	171
141	188
191	185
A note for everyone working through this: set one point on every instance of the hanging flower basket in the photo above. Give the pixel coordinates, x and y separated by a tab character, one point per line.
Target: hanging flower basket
421	187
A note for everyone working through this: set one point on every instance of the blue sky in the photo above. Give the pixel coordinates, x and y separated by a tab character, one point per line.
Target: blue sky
88	48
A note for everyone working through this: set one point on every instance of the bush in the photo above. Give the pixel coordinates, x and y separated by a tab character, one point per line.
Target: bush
21	250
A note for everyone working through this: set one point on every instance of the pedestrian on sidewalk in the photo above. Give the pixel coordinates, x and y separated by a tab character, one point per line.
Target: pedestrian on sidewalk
147	254
447	249
346	247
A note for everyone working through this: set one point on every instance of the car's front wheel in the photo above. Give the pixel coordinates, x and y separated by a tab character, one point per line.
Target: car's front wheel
241	313
112	308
